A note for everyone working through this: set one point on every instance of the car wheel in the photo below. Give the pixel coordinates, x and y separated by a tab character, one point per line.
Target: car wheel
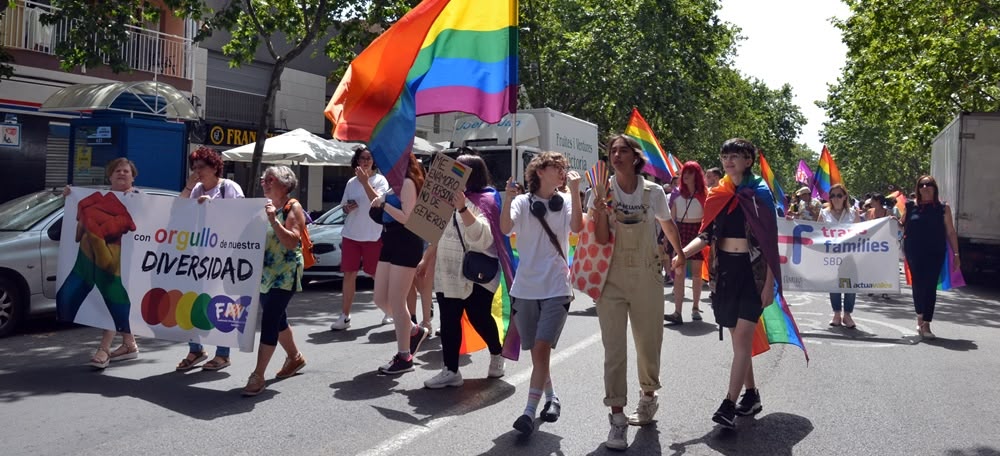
11	308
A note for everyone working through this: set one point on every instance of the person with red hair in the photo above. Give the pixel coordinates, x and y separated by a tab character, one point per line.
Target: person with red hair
688	210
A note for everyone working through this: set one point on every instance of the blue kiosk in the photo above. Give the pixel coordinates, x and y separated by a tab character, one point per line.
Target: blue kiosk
142	121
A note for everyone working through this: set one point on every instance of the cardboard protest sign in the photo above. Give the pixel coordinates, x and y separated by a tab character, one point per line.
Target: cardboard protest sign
162	267
434	210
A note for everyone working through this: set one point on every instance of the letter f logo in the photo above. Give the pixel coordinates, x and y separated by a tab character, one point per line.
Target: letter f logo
797	242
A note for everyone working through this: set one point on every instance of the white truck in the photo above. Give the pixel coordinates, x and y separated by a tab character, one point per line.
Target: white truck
965	158
535	131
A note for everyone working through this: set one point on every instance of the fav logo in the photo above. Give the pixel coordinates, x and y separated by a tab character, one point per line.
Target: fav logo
190	310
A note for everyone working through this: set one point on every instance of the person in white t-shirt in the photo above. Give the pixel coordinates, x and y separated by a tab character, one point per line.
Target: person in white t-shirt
840	212
362	237
541	291
633	291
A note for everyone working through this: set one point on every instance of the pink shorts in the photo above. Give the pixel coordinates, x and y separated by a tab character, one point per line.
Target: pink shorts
353	252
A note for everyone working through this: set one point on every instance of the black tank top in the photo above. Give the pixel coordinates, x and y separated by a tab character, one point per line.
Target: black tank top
925	225
731	224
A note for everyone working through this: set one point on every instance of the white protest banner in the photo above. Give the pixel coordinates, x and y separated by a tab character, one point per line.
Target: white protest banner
848	258
162	267
433	210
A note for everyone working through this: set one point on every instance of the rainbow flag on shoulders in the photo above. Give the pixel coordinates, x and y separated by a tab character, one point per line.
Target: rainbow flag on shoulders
658	163
442	56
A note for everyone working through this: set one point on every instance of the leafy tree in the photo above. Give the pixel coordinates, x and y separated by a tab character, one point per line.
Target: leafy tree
912	65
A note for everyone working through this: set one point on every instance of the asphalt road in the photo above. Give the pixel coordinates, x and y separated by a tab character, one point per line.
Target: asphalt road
876	390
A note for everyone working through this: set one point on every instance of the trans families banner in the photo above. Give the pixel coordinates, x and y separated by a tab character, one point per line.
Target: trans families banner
162	267
850	258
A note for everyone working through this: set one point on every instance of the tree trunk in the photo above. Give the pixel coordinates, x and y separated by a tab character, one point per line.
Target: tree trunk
266	113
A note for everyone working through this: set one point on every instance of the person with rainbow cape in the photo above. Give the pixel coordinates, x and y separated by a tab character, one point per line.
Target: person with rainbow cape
740	224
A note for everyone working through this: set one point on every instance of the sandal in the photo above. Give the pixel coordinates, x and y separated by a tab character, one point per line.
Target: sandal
189	363
215	364
255	385
97	362
674	318
125	352
696	314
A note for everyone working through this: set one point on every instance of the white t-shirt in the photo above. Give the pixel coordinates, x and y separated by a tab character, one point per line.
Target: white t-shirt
541	272
845	217
358	226
691	206
631	203
224	189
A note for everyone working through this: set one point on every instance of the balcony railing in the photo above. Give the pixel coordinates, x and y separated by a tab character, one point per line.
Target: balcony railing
146	50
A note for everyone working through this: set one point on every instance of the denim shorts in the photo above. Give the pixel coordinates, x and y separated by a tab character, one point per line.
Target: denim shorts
540	319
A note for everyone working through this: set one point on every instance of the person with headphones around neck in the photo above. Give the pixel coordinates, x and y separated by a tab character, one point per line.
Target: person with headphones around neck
541	291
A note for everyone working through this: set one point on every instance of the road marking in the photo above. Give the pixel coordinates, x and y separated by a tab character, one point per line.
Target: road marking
398	441
822	330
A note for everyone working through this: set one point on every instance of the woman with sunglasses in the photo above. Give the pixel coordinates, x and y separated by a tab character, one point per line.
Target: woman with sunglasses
839	211
541	291
927	226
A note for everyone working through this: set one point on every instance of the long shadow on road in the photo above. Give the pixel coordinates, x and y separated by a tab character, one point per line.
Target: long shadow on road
775	434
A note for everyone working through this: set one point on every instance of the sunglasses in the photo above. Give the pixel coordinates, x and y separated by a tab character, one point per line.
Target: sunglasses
926	184
268	179
837	195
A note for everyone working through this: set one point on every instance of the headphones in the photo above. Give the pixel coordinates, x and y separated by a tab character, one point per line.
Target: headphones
538	208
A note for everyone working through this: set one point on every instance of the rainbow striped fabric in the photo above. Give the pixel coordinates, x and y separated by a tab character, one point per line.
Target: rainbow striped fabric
777	326
658	163
772	183
442	56
827	174
949	277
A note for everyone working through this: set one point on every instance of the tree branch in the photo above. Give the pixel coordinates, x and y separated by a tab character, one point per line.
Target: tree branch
311	32
260	30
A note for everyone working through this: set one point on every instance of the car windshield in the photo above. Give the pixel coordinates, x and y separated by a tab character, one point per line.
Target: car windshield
334	216
20	214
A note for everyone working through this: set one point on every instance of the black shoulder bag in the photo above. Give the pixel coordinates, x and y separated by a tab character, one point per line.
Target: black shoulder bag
476	266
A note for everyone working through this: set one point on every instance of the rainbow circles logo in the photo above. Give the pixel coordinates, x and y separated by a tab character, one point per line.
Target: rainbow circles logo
190	310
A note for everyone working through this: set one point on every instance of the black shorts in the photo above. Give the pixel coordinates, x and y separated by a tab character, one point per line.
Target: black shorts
400	246
736	294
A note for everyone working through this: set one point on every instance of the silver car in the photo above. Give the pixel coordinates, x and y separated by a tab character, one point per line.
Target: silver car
324	232
30	227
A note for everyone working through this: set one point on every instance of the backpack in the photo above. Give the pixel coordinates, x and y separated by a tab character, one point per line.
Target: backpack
308	258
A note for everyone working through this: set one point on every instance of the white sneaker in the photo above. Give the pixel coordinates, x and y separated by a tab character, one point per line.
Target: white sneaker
644	412
618	436
429	327
386	319
341	323
497	367
443	379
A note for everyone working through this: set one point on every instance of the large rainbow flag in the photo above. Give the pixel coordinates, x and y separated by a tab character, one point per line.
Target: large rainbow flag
658	163
827	174
442	56
772	183
949	278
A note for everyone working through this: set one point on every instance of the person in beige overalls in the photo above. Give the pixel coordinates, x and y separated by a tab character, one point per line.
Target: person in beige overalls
634	287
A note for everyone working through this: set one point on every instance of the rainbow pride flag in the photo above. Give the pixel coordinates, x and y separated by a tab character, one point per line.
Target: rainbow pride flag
777	326
948	278
442	56
673	165
772	183
657	161
827	174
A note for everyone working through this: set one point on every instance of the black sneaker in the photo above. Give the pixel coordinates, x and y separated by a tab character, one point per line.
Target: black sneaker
524	424
397	365
550	413
417	339
749	403
726	414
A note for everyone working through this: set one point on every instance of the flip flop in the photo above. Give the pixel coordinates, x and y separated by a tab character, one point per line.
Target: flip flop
188	364
214	365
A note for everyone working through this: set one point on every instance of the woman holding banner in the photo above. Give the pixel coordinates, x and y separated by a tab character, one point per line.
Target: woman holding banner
928	230
840	212
541	291
687	209
401	253
740	224
280	277
470	230
206	183
121	172
632	291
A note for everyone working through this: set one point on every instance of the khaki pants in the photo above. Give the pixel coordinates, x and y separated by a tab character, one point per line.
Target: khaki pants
633	291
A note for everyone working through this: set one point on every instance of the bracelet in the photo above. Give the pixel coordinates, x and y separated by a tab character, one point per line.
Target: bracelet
463	209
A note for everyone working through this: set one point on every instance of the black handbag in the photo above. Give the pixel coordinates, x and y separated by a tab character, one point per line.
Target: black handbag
476	266
376	213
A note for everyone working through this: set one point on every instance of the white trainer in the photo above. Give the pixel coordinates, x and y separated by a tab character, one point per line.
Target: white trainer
618	436
443	379
645	411
497	367
341	323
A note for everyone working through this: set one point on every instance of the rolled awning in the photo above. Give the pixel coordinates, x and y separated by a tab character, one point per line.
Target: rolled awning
149	98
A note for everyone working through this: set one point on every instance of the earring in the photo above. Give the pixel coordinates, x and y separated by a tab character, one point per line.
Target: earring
635	162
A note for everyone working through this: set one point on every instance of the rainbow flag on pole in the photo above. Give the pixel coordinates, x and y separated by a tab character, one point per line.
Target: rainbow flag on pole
442	56
827	174
772	183
657	161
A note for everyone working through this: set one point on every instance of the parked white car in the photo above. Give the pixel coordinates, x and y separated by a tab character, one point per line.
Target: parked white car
325	234
30	227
